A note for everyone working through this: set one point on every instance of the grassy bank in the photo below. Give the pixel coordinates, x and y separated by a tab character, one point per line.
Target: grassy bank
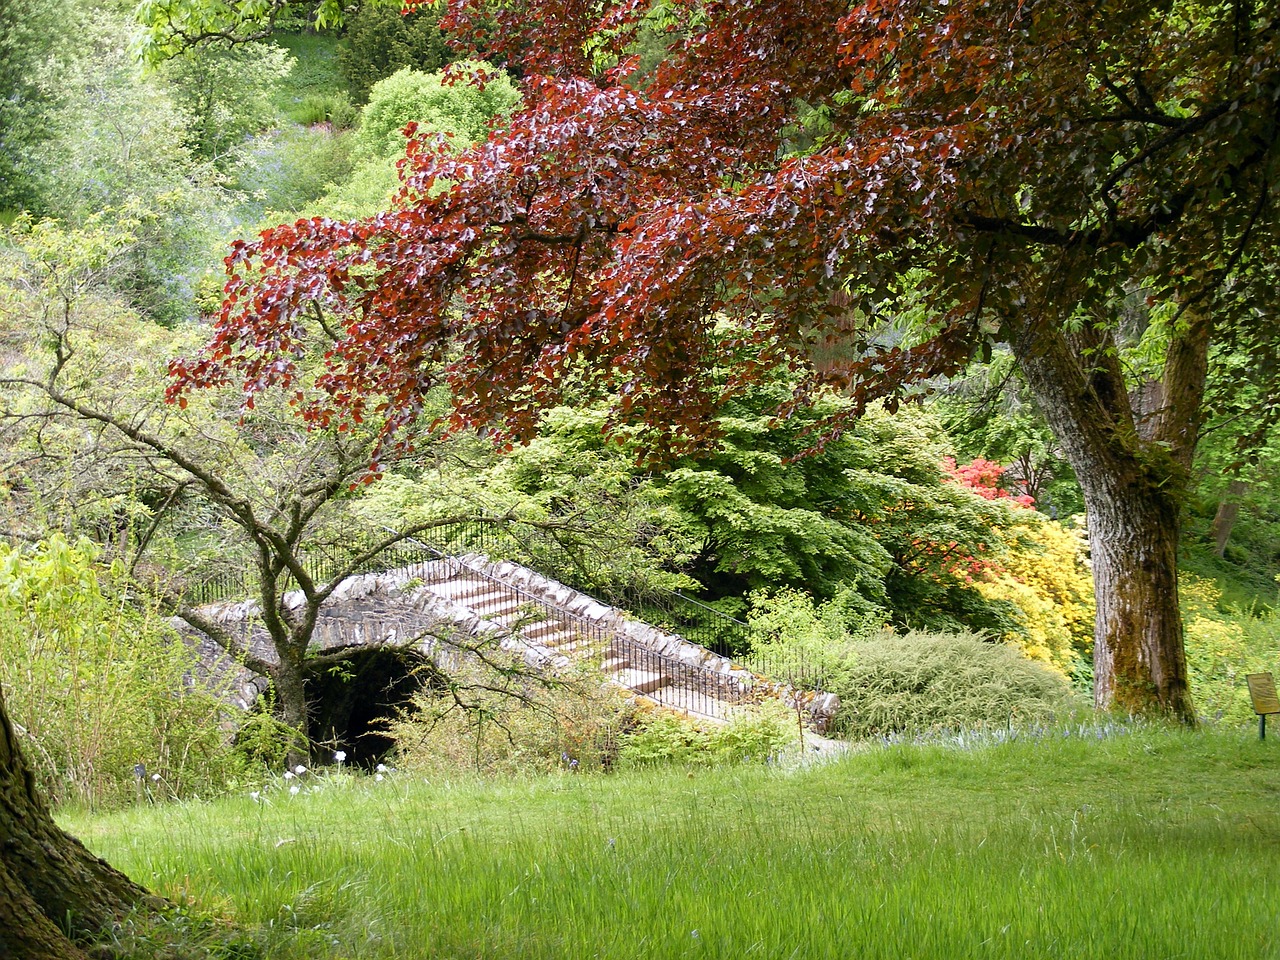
1146	844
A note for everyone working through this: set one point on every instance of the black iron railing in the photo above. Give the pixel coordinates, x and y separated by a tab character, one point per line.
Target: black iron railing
684	686
534	609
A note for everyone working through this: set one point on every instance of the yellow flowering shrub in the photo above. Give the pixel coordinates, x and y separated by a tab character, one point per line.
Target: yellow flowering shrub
1045	576
1222	648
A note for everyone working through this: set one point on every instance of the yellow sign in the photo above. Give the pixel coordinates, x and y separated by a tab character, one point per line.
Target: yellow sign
1262	688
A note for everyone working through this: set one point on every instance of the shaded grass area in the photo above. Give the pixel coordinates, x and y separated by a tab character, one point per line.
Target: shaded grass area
1247	588
1154	843
315	74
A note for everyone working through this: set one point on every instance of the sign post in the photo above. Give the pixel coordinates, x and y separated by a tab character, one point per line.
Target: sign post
1262	690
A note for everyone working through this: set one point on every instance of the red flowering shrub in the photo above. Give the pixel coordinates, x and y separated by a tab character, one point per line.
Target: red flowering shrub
983	478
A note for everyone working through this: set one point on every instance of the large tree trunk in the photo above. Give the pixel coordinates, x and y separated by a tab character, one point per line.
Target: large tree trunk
52	890
1138	658
1133	473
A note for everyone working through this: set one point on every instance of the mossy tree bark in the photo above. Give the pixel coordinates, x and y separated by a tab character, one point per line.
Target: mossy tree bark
53	892
289	678
1138	658
1132	451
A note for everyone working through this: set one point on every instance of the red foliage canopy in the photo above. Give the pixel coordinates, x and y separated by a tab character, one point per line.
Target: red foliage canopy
791	175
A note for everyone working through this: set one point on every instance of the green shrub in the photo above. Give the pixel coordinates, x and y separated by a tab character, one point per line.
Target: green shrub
461	109
917	681
753	736
380	40
333	108
508	721
96	686
365	191
286	169
664	738
1222	647
794	635
262	740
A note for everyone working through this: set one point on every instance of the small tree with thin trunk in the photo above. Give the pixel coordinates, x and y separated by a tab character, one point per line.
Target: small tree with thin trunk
84	411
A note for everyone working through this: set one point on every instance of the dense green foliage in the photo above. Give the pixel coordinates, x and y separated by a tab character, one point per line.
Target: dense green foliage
148	174
871	516
1224	643
381	40
460	110
283	171
906	683
162	166
97	685
315	75
890	683
31	32
991	414
767	734
119	145
477	725
226	95
493	716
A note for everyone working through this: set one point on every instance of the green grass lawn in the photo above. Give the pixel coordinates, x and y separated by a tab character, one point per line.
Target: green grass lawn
1151	844
314	75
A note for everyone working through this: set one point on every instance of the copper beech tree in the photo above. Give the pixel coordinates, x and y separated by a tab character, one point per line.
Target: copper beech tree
1055	175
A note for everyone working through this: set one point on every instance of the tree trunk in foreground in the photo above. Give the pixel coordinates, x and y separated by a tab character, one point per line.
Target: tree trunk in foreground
1133	471
52	890
1138	657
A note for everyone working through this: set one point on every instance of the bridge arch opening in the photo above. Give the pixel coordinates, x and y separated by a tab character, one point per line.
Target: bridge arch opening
353	700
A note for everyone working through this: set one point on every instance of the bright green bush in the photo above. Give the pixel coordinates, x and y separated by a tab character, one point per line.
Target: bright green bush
793	634
367	189
461	109
753	736
918	681
333	108
96	687
1222	647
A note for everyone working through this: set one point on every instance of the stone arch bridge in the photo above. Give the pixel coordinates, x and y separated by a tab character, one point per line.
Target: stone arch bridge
439	608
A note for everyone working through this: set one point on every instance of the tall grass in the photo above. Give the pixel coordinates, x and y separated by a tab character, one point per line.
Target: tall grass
95	685
1152	844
